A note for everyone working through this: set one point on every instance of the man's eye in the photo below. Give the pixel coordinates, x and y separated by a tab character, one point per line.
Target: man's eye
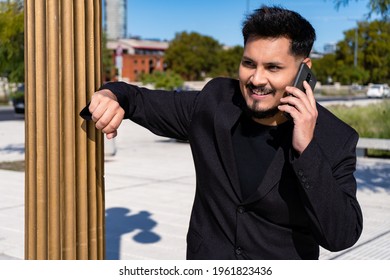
248	63
273	68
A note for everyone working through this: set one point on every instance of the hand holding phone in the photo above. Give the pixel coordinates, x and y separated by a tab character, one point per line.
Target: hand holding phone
304	74
303	106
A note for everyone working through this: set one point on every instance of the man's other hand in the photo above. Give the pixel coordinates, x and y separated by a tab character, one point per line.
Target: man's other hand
106	112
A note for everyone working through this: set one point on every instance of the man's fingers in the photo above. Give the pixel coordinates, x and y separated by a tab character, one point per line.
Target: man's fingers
99	117
112	135
106	112
310	94
110	126
101	98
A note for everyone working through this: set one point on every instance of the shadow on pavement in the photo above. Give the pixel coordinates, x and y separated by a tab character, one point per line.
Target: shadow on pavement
375	177
119	222
13	148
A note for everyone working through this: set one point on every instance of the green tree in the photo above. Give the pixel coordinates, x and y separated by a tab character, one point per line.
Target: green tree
376	50
192	55
347	74
325	68
12	41
373	52
107	60
228	62
373	59
163	80
379	7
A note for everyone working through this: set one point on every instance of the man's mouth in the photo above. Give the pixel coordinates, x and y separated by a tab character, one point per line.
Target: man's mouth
260	91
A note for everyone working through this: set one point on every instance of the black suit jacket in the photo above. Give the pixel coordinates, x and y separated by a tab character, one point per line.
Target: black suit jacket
301	203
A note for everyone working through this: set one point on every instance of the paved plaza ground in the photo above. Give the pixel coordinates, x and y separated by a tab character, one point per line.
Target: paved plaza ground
149	192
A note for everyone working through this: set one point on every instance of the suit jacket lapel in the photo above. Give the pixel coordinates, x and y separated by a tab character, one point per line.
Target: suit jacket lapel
225	118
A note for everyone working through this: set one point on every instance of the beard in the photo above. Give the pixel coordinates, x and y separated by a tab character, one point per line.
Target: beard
254	112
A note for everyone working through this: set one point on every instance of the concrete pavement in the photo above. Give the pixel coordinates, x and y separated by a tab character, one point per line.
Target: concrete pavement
149	192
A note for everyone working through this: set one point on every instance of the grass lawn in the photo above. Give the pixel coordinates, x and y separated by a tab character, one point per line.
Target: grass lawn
13	165
371	121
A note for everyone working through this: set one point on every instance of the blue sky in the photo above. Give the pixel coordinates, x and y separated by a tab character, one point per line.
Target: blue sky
222	19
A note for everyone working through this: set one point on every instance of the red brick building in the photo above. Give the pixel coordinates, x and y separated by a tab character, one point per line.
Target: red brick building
134	57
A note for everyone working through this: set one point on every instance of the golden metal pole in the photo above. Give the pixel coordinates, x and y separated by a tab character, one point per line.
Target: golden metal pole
64	216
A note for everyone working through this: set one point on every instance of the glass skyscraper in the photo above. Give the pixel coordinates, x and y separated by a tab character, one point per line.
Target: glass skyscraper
114	18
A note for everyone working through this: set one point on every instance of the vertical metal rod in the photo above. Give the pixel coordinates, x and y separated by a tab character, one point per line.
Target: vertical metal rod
54	130
30	128
40	110
68	164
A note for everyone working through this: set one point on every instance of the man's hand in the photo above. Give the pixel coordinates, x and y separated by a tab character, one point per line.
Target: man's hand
106	112
302	108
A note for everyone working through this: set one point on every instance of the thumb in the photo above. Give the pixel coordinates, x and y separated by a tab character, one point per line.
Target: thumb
112	134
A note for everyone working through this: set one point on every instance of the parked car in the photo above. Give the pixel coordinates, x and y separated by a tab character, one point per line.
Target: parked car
378	91
17	98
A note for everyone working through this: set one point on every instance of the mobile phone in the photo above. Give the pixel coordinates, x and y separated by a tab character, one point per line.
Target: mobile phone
304	74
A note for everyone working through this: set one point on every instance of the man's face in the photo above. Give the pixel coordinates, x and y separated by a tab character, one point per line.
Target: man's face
266	68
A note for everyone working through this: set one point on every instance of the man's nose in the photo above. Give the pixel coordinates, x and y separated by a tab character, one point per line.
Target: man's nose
258	77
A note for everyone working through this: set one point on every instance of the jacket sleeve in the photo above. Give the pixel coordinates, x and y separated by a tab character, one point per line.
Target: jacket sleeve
328	190
165	113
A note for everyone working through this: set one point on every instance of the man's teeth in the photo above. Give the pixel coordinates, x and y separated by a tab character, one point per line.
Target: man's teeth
258	92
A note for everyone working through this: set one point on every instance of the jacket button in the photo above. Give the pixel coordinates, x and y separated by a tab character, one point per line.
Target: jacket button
307	186
241	209
238	251
300	172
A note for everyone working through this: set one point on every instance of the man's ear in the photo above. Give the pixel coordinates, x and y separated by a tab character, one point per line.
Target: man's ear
307	60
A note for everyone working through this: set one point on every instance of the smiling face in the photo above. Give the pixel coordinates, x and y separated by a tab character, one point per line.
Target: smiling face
267	67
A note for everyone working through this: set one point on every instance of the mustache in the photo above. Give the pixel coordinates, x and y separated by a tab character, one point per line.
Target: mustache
261	89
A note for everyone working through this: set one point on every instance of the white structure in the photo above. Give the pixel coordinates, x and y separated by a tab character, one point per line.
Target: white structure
330	48
115	17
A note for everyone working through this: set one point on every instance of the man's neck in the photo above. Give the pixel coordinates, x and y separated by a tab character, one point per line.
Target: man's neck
276	120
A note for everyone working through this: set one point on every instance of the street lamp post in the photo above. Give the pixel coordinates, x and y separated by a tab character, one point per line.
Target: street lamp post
355	54
355	51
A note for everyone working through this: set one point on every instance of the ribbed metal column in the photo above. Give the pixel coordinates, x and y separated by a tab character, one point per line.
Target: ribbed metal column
64	210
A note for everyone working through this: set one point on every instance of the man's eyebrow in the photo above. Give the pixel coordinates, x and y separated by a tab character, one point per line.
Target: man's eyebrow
274	63
246	57
270	63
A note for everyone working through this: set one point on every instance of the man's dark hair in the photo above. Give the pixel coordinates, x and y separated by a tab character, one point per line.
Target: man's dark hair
275	22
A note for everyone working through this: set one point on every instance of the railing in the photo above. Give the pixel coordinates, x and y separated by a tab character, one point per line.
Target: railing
371	143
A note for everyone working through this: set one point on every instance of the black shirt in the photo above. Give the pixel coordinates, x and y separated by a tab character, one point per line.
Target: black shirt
254	147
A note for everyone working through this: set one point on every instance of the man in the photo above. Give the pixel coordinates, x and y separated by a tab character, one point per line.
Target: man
268	186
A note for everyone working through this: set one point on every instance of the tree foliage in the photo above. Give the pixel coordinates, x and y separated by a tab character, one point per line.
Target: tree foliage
163	80
373	56
12	41
107	60
373	48
192	55
379	7
195	56
229	60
